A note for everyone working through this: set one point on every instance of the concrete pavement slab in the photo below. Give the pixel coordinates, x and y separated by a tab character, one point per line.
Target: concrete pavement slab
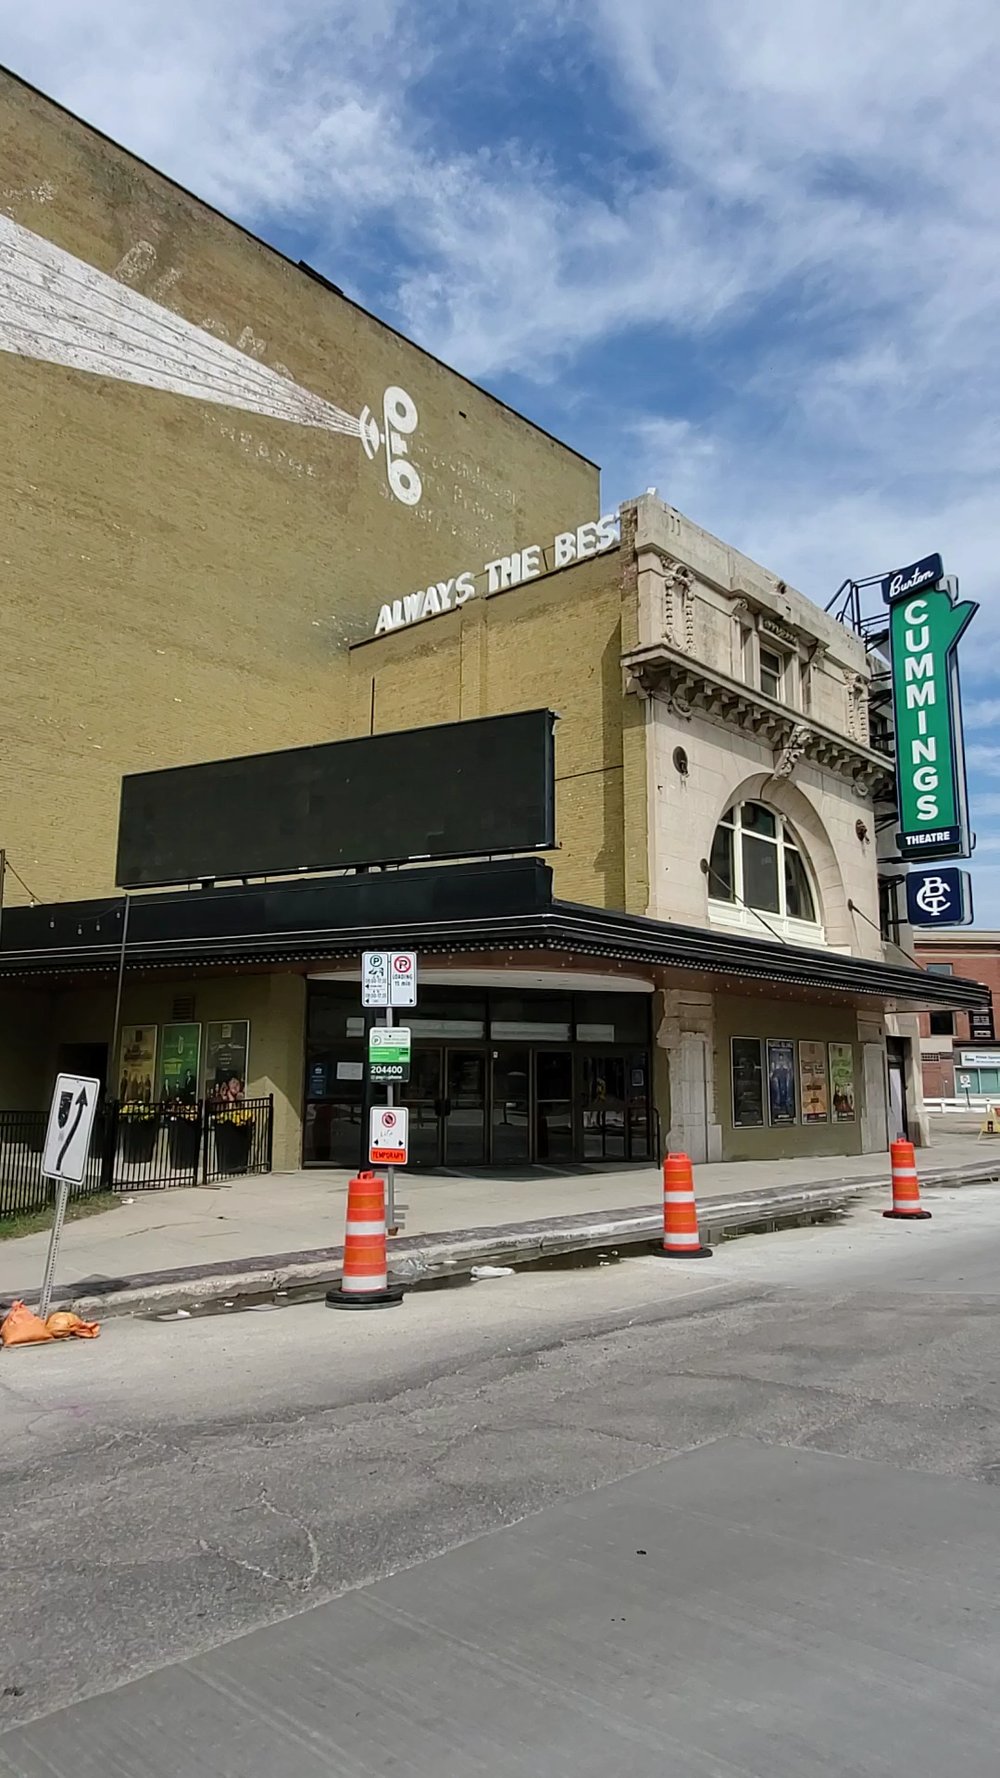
739	1609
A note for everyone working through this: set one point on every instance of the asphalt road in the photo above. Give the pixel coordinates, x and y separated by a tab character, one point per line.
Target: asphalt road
725	1518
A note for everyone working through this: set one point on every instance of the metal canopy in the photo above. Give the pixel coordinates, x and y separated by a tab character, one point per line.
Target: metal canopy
504	905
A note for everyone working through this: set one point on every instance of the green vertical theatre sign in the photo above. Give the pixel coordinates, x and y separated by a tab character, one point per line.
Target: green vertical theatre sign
926	621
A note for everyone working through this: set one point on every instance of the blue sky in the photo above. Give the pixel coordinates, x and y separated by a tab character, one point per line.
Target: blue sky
745	252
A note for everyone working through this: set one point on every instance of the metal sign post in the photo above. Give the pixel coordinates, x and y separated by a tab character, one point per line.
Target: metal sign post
389	979
391	1225
64	1158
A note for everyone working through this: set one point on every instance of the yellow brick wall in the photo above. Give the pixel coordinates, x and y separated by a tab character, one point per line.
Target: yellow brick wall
180	580
274	1004
554	642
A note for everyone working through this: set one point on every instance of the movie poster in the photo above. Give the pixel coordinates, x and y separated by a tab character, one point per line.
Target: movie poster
748	1082
180	1054
781	1104
842	1083
813	1085
227	1047
137	1065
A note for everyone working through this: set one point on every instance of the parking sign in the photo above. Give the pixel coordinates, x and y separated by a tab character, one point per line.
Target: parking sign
403	978
388	1132
375	978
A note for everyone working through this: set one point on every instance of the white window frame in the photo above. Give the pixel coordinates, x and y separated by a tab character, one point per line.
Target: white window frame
766	646
735	915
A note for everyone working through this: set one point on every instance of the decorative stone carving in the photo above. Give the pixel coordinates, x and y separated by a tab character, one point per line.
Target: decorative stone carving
668	673
678	605
772	627
857	707
788	758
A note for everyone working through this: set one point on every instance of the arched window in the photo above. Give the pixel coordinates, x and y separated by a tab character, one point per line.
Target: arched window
757	864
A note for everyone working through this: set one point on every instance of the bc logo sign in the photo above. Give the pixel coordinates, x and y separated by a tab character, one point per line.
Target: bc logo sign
939	898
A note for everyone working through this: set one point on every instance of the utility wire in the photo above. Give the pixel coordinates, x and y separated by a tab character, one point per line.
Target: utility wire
34	899
853	908
730	889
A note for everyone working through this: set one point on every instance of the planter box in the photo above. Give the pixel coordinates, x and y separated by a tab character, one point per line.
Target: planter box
183	1141
137	1140
232	1146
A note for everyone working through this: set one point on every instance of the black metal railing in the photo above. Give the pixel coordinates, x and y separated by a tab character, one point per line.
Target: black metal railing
151	1147
138	1147
238	1138
23	1189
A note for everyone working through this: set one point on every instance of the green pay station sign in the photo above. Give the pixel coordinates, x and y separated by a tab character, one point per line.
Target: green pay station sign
389	1052
925	624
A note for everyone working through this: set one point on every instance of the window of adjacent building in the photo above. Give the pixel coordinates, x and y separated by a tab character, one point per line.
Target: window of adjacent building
772	672
942	1024
756	862
940	968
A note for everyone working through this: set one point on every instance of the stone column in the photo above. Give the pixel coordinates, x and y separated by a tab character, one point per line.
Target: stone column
686	1035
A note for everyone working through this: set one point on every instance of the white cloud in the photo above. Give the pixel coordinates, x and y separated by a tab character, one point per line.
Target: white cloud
260	109
981	758
981	713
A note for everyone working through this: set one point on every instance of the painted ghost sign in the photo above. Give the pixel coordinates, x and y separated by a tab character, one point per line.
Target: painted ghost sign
60	310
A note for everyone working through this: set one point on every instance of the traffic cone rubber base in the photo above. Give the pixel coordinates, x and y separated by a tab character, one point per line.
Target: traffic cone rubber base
685	1253
364	1299
908	1215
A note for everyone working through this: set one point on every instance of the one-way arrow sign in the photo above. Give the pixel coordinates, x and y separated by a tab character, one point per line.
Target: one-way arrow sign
71	1120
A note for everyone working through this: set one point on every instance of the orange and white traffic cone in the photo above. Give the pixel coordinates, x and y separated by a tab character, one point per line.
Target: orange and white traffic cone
365	1282
681	1239
905	1185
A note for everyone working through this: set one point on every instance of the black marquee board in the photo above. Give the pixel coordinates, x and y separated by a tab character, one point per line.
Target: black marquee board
457	790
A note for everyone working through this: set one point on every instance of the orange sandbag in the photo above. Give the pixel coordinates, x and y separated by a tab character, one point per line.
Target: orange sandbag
22	1327
64	1325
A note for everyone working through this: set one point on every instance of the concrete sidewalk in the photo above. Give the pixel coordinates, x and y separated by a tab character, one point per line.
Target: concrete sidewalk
271	1222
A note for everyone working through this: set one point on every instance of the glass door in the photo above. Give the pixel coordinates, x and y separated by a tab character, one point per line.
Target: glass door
424	1100
639	1121
511	1111
553	1105
605	1094
465	1108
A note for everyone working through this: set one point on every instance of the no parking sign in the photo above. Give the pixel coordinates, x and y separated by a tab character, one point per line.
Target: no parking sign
388	1134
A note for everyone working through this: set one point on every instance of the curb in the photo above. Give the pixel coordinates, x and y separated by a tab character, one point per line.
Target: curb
420	1258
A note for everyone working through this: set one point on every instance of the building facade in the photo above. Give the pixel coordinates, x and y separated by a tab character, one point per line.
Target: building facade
244	515
211	464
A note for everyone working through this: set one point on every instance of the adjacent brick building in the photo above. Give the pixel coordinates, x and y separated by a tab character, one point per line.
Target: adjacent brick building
960	1053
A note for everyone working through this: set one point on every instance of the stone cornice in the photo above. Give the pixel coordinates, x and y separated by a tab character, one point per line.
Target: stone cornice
693	689
772	609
